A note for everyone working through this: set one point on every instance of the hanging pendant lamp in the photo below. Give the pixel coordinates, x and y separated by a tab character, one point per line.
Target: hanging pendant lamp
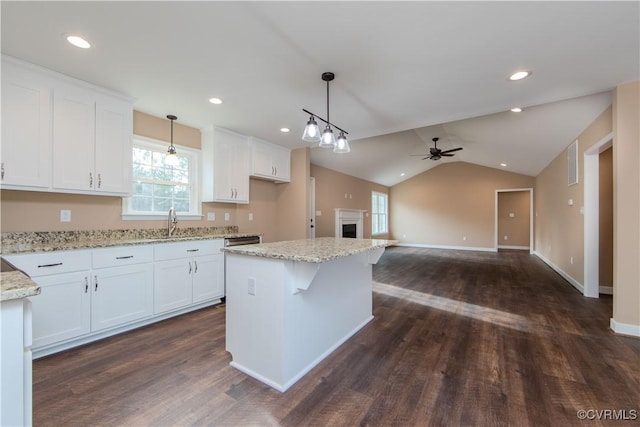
327	139
171	159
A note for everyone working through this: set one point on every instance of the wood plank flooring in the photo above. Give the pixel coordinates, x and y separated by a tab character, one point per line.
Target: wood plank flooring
459	338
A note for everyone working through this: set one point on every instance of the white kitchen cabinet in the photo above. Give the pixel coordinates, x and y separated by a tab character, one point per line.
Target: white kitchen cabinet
26	128
62	311
63	135
187	273
91	142
270	161
225	166
122	286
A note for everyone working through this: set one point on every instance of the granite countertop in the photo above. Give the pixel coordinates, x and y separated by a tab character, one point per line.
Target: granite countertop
317	250
28	242
16	284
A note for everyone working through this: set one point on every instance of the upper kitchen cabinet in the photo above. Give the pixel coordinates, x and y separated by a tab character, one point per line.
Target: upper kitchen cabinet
26	128
63	135
225	166
91	142
270	161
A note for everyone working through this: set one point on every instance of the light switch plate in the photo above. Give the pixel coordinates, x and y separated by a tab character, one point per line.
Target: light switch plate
211	216
250	216
65	215
226	216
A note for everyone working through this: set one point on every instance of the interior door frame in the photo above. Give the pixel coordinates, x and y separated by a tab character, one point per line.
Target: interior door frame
312	223
592	216
495	225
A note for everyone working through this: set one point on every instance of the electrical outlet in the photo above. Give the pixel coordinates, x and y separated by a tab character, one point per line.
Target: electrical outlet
464	237
506	237
512	215
211	216
251	288
250	216
318	213
571	260
65	215
226	216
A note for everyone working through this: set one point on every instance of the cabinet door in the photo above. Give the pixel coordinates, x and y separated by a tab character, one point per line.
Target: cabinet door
73	139
26	128
261	164
113	146
172	287
281	161
62	310
208	277
240	169
222	171
121	295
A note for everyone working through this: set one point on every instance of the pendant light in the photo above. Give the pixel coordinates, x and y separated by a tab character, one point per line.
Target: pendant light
327	139
171	159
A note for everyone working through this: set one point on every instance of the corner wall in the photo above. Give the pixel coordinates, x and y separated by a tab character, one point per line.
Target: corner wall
451	205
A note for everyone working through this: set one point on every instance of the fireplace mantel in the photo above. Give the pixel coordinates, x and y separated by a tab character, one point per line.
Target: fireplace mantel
350	216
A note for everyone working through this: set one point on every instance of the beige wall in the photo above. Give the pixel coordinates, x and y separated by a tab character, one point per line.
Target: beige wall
293	199
517	227
331	187
559	227
605	217
626	205
160	129
448	202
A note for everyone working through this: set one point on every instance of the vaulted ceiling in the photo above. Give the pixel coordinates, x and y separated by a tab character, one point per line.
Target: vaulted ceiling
405	71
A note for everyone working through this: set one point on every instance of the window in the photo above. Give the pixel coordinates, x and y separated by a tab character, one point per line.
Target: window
379	213
157	187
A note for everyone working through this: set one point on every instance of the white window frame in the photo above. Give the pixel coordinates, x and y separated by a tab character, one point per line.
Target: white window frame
375	214
195	209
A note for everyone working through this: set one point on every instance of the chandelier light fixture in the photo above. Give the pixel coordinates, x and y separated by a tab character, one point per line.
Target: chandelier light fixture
327	139
171	159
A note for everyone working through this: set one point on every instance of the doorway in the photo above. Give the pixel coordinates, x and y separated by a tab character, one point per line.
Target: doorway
514	219
592	219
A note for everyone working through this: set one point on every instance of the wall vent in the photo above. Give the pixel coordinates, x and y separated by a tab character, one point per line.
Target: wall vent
572	159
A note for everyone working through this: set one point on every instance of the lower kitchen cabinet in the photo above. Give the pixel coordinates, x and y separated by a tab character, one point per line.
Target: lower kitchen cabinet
91	294
121	295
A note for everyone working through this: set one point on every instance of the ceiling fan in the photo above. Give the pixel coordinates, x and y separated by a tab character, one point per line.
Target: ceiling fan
436	154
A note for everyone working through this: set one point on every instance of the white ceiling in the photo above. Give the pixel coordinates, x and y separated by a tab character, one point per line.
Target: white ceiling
405	71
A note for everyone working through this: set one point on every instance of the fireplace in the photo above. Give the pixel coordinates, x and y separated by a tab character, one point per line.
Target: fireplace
350	223
349	230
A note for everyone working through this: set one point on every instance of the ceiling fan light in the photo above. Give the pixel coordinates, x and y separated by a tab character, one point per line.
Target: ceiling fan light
311	131
342	145
328	138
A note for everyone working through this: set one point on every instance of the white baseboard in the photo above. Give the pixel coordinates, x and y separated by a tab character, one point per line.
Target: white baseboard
524	248
625	328
561	272
606	290
459	248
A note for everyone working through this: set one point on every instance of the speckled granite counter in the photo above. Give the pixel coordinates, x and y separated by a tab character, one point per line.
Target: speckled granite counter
317	250
15	284
25	242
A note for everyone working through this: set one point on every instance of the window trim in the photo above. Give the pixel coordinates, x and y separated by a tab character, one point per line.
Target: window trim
194	178
375	214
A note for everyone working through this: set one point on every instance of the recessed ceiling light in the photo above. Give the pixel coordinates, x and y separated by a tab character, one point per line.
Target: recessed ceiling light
216	101
516	109
285	130
504	165
78	41
519	75
402	174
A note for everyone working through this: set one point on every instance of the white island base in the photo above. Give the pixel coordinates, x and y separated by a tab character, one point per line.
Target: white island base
285	316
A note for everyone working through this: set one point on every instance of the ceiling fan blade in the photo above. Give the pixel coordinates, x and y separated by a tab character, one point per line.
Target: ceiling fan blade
417	155
452	150
425	158
447	154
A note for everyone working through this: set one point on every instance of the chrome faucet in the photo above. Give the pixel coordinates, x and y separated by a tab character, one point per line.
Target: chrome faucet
172	222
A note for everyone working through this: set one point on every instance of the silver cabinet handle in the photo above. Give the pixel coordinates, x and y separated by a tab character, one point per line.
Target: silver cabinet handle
90	179
193	250
99	180
124	257
196	264
86	284
95	278
2	171
189	267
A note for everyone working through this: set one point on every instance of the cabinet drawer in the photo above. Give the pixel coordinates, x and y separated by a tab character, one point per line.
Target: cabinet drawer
122	255
167	251
45	263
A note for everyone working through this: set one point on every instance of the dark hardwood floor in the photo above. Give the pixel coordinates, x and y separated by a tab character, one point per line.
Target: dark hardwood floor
459	338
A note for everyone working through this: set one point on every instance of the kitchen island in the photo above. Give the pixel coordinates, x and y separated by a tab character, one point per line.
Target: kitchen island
290	304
